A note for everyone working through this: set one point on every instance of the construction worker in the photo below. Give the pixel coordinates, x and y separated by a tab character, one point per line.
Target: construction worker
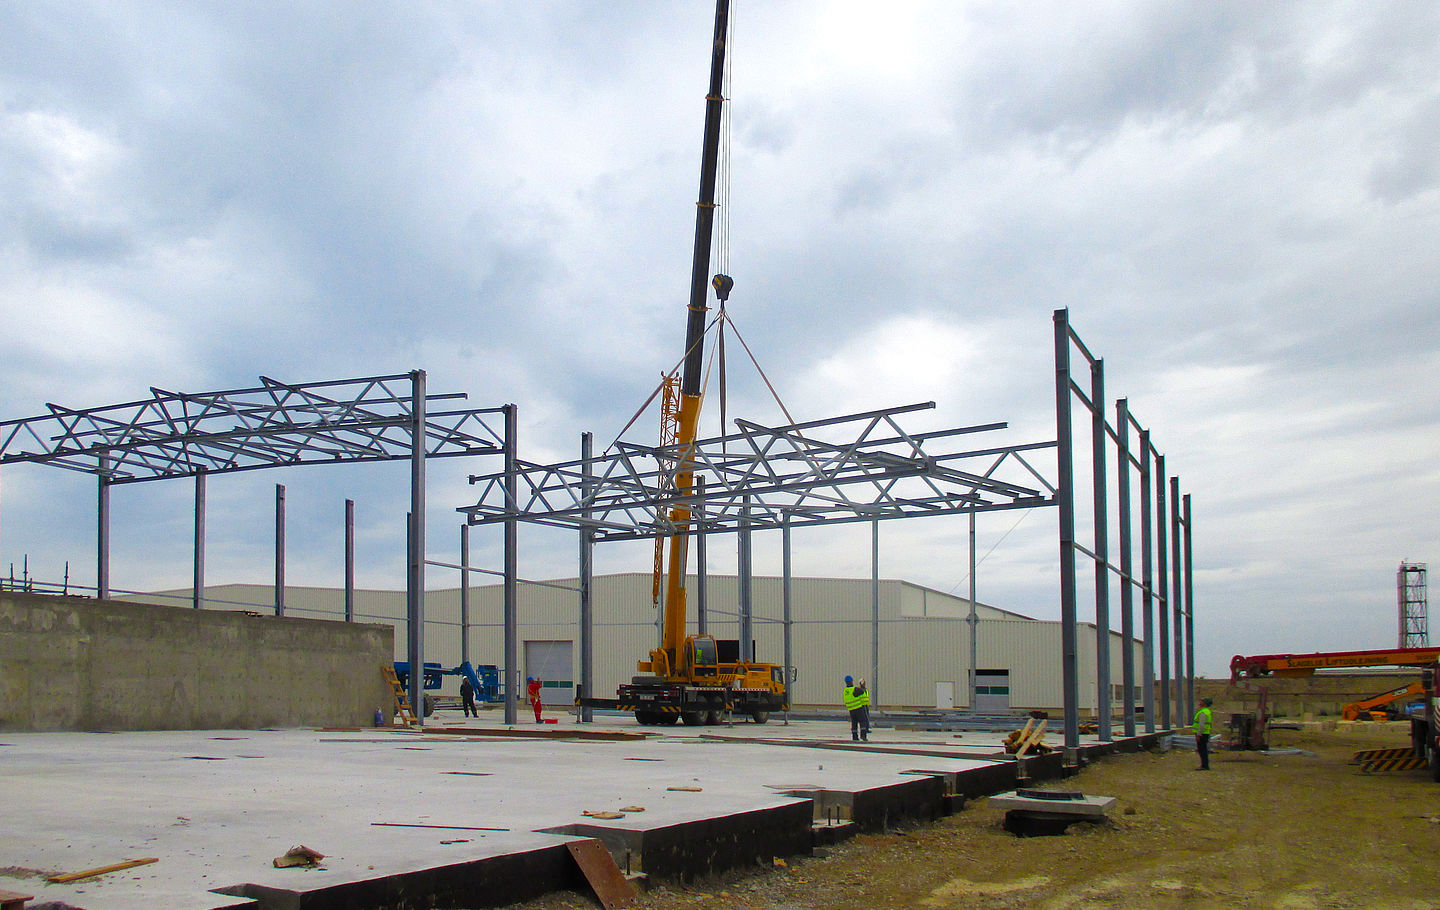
533	686
857	702
1204	726
467	697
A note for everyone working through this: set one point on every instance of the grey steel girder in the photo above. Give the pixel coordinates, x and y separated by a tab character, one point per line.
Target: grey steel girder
858	467
177	434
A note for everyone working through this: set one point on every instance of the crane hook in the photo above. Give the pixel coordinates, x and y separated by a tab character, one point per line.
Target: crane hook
722	285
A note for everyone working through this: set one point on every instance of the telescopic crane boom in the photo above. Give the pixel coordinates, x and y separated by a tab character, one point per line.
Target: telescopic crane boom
688	422
697	678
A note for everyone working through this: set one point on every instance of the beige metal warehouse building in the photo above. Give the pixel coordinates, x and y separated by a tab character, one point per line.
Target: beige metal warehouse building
924	641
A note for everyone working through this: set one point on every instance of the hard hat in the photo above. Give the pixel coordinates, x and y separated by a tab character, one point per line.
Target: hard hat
849	680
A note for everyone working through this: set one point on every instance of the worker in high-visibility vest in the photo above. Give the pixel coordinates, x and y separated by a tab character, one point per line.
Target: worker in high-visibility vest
857	702
1204	726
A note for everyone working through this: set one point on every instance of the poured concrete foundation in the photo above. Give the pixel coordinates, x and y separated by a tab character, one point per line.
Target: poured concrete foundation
476	816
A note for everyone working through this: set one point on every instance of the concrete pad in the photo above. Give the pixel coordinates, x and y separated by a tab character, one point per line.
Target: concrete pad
216	807
1087	806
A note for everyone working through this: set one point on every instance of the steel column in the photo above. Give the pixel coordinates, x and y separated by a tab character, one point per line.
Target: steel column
464	593
279	549
873	683
1177	602
785	575
349	560
1189	618
102	530
974	618
415	576
197	586
1162	577
1065	501
702	575
1104	699
1127	566
587	576
511	559
1147	580
745	546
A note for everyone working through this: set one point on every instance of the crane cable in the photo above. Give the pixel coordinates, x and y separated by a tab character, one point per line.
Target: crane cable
722	239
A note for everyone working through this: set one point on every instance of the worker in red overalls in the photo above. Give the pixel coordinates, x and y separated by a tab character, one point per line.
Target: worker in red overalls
534	689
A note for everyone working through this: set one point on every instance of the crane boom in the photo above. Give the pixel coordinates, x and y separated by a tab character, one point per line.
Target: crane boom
688	418
1307	664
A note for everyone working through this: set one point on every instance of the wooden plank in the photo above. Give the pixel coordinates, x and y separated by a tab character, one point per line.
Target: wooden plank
14	900
605	878
1030	737
91	873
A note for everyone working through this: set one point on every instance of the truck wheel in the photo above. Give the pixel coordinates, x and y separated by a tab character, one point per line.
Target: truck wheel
429	705
760	716
693	718
666	720
712	718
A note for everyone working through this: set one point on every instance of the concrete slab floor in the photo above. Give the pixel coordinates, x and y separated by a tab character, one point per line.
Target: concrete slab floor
216	807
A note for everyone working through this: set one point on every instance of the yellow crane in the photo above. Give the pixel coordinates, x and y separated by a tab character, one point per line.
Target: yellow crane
696	678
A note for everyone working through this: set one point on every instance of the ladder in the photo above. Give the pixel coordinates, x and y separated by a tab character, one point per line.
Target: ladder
402	703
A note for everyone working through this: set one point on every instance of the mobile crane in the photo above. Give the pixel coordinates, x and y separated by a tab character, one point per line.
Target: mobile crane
1424	729
697	678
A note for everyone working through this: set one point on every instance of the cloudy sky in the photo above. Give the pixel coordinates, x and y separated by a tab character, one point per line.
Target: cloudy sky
1238	203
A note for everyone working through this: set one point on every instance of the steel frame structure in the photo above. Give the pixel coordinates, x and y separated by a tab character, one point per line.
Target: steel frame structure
275	424
868	467
767	477
1159	571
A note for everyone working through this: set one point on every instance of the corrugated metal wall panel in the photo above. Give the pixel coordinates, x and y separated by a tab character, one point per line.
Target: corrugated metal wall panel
919	644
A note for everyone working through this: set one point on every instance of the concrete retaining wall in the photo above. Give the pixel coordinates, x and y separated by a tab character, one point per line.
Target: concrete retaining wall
78	664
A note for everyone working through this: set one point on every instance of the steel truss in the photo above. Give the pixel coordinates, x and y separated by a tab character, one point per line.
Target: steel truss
276	424
859	467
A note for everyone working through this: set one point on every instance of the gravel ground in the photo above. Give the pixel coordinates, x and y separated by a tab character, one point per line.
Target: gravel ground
1261	830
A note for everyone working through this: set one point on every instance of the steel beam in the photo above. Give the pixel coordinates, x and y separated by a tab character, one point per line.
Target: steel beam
1177	602
511	560
197	585
1189	616
1162	578
349	560
587	583
1065	498
1104	700
415	549
279	549
1147	579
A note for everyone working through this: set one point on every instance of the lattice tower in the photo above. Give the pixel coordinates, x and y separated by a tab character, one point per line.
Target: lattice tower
1414	605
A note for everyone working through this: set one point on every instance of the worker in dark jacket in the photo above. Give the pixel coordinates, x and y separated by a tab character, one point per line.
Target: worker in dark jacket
467	697
857	702
1204	726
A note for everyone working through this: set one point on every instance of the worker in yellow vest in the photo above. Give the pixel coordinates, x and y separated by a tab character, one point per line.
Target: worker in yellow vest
857	702
1204	726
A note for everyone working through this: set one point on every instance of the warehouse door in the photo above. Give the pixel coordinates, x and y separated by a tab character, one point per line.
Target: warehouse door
992	692
550	662
944	695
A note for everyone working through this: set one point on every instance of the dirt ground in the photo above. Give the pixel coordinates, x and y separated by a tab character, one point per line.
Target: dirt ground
1259	830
